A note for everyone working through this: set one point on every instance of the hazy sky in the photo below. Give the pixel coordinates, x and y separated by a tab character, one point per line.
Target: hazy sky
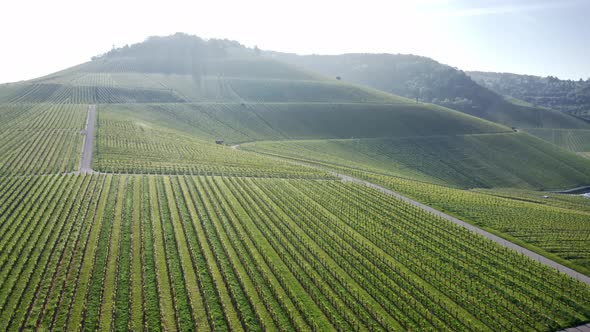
541	37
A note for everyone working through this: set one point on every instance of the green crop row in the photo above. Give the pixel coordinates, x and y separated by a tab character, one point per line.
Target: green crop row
249	254
551	224
40	139
577	140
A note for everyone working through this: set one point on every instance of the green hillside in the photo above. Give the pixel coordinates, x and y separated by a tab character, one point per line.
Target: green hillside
468	161
426	80
219	89
197	71
576	140
161	111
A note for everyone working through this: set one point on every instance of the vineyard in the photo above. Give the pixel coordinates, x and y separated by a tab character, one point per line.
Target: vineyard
125	146
160	187
230	253
40	138
56	93
577	140
555	226
244	122
467	161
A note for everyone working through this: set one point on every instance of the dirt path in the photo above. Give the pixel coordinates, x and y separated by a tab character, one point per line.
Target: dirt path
88	145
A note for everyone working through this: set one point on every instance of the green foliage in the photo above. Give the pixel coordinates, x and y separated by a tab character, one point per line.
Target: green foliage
565	95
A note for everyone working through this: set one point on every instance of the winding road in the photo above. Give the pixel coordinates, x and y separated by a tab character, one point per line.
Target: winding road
88	145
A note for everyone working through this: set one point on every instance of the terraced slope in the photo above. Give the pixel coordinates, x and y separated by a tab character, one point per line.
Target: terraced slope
46	138
128	144
242	122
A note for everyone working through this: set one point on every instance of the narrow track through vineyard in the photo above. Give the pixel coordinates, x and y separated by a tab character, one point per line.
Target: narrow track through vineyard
88	146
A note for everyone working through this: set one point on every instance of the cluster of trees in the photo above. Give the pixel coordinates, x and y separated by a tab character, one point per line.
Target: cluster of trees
178	53
565	95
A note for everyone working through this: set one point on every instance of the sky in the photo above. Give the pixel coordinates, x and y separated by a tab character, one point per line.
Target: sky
537	37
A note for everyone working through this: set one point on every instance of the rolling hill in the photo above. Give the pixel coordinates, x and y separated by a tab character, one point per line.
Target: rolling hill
426	80
169	107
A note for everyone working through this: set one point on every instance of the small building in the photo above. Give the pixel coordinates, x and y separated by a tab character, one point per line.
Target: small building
219	141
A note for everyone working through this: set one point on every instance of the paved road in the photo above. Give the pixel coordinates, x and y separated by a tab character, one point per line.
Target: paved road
577	190
581	328
86	159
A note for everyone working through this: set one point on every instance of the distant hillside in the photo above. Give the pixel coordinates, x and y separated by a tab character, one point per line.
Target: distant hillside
183	68
164	102
426	80
565	95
